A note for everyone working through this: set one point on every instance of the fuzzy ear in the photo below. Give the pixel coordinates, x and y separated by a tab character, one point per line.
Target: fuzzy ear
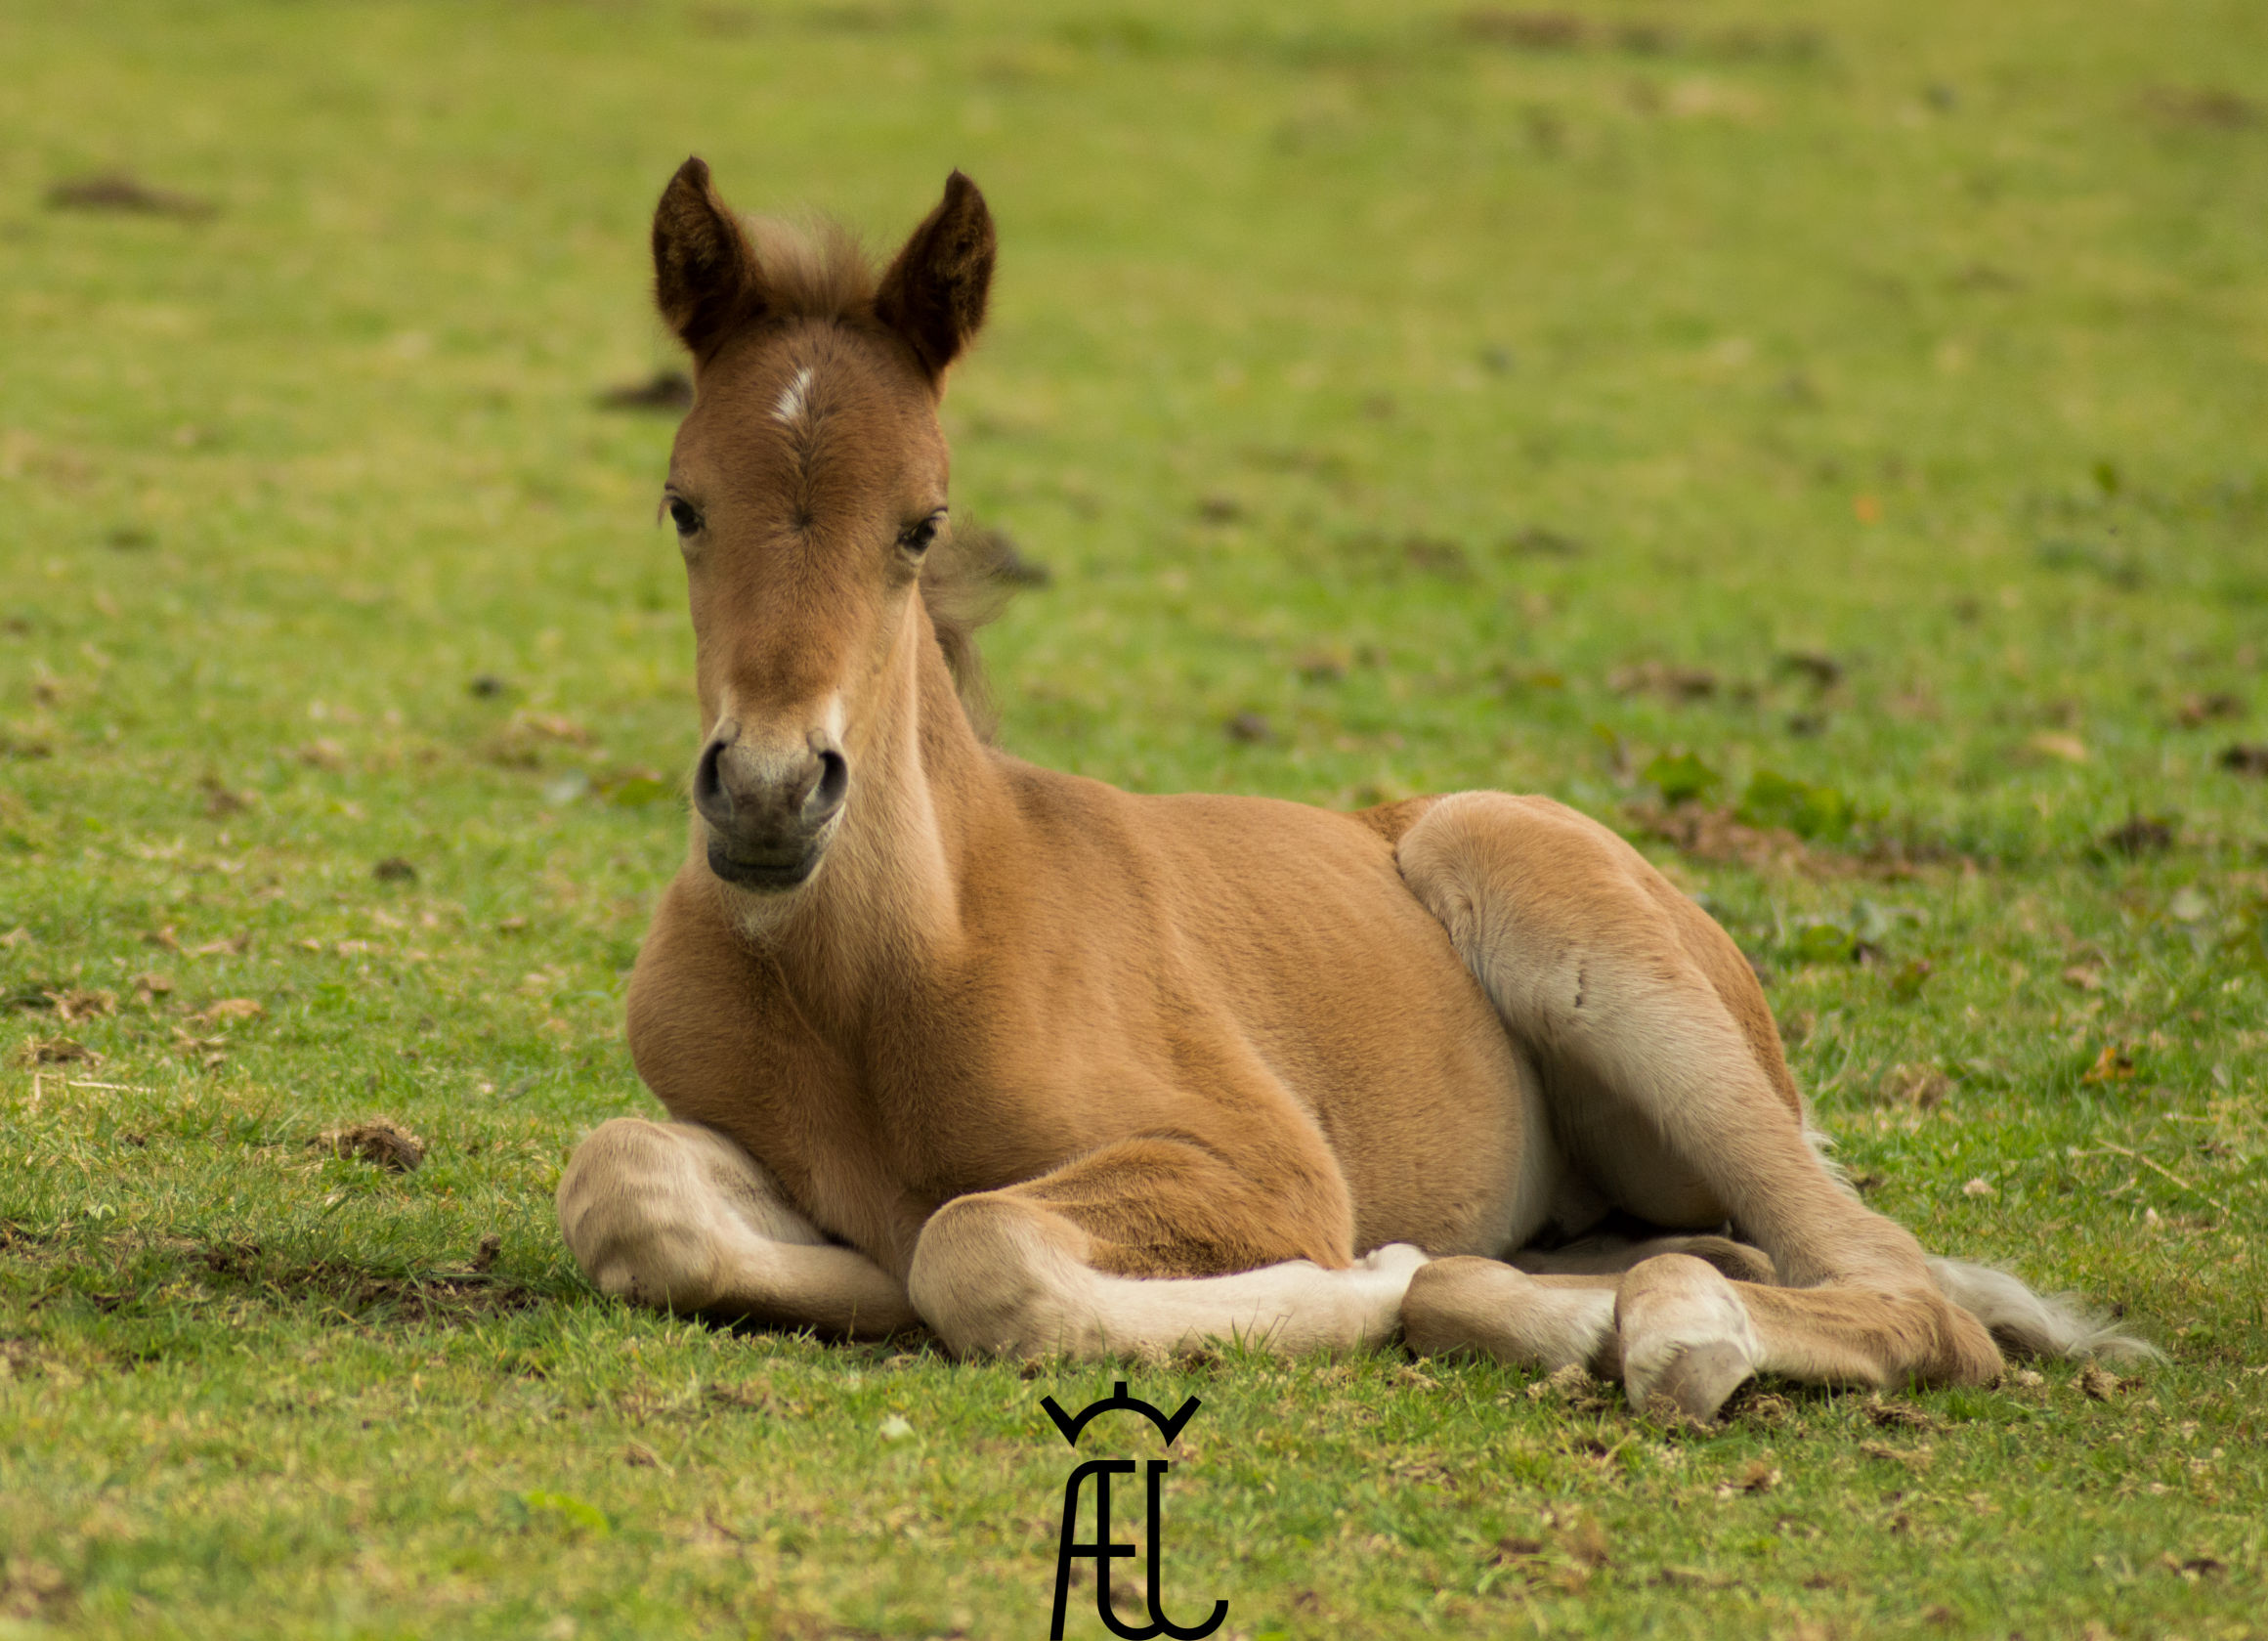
705	278
933	294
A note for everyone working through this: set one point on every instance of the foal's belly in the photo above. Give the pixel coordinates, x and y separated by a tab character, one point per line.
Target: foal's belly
1357	1000
1442	1133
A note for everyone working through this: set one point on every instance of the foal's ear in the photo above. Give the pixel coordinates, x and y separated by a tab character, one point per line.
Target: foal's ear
933	294
706	277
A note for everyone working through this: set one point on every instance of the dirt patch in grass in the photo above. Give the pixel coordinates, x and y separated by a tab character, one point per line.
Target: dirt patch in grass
1712	834
444	1298
33	1591
2209	107
36	1052
21	1357
22	1238
1716	835
122	1277
122	193
1901	1416
670	391
378	1140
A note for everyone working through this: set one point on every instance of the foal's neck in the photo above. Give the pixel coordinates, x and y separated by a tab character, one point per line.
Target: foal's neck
886	905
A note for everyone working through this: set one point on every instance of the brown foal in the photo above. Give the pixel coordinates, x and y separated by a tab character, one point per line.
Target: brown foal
1051	1068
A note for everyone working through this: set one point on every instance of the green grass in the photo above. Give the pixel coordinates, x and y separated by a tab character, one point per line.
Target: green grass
1442	399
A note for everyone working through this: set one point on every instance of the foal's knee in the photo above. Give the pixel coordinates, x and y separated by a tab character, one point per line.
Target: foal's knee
632	1212
996	1277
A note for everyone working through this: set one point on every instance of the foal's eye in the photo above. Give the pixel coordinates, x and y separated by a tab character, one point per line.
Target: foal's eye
684	515
916	538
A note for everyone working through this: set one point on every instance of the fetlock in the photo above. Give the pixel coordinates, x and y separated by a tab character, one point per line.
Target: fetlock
1967	1354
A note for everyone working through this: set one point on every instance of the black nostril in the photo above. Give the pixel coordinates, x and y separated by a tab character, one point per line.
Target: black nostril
708	795
834	781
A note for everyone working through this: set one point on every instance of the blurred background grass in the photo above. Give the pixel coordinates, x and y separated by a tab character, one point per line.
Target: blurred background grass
1917	343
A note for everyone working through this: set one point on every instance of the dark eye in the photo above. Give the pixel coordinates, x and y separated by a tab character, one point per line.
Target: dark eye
684	515
916	538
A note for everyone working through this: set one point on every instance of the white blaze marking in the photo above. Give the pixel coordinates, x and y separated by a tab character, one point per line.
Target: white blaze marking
790	409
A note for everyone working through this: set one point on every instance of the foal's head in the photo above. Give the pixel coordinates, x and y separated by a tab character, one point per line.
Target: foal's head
806	486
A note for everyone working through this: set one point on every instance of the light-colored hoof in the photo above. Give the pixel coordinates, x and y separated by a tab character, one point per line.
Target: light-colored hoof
1687	1340
1457	1304
1485	1305
1697	1381
1395	1258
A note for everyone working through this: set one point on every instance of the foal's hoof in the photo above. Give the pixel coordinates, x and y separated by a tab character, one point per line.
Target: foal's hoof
1687	1340
1697	1381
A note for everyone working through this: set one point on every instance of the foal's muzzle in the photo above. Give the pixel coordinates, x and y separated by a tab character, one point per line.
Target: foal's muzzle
769	813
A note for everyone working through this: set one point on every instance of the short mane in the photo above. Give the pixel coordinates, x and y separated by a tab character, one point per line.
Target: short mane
967	582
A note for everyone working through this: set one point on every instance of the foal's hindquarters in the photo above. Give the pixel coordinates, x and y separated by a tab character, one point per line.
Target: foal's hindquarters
1669	1096
1651	1082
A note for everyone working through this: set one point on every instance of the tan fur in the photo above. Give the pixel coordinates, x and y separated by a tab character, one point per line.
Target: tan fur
1058	1067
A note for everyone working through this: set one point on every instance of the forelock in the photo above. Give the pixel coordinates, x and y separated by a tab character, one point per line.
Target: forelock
817	272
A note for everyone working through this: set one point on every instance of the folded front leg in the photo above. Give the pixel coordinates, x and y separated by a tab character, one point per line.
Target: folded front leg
679	1217
1151	1246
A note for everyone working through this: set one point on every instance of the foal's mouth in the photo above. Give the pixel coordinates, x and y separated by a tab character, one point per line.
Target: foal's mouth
766	874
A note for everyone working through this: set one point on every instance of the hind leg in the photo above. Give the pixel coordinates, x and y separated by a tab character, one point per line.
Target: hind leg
1613	1255
678	1217
1689	1336
1667	1089
1539	1322
1674	1330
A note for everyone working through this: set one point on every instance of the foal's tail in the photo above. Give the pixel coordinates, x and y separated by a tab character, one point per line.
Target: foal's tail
2036	1324
2033	1324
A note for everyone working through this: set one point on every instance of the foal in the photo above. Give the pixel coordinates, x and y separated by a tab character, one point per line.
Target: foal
948	1039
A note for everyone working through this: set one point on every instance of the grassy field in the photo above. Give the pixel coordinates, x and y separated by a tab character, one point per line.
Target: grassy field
1825	442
